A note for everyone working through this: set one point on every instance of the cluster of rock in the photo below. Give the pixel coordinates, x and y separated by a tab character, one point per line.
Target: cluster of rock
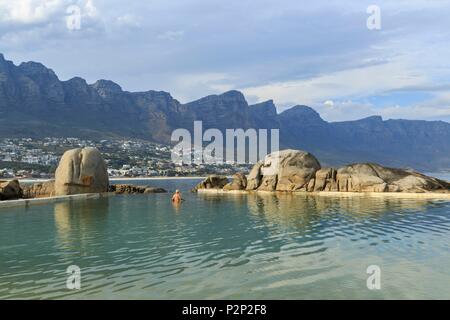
375	178
294	170
132	189
84	171
80	171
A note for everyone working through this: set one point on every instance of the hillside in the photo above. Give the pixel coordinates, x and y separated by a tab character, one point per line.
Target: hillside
35	103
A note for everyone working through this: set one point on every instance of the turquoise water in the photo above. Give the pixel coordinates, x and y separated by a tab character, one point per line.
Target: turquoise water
226	247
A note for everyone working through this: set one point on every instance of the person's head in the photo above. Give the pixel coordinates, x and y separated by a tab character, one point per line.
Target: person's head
177	191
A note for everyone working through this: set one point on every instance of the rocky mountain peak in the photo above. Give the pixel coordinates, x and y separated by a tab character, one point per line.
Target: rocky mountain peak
31	65
372	119
34	69
233	99
303	114
264	114
106	88
266	107
77	87
76	81
233	94
5	64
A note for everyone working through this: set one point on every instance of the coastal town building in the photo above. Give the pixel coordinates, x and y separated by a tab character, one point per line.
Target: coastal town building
38	158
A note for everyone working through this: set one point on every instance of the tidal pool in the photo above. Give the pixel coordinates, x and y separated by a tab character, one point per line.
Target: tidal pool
256	246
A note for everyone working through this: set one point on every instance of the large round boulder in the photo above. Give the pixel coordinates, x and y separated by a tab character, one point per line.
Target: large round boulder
81	171
287	170
296	169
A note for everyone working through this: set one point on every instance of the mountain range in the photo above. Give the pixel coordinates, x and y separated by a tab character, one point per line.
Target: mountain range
35	103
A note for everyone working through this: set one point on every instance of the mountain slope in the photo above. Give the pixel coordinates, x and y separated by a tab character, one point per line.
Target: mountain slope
35	103
422	145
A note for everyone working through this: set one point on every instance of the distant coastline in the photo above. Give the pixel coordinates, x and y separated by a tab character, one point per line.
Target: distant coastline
445	175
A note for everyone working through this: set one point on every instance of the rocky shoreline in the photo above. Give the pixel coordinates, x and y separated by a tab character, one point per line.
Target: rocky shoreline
300	171
12	190
83	171
80	171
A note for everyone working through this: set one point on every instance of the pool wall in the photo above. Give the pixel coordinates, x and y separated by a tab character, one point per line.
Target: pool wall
28	202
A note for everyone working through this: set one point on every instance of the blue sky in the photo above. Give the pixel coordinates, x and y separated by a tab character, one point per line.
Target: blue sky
295	52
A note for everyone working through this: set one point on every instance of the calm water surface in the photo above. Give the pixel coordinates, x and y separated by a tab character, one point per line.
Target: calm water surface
226	247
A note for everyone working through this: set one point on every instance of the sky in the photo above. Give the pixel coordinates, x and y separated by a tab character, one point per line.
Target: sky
316	53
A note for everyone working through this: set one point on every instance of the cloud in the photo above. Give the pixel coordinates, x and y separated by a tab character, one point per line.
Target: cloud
29	25
357	82
436	108
201	83
290	51
90	8
328	103
171	35
29	11
129	20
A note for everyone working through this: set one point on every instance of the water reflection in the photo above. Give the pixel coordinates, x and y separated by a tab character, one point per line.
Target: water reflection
301	203
176	206
77	221
302	211
363	220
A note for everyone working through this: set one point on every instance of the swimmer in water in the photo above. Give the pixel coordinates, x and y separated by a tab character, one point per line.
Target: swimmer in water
177	197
